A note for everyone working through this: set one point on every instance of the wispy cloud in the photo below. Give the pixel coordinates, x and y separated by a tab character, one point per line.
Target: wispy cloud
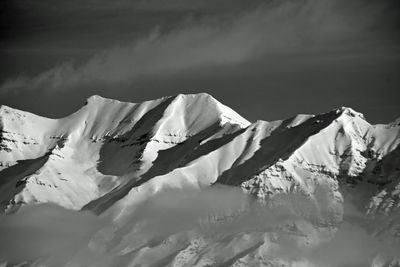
271	29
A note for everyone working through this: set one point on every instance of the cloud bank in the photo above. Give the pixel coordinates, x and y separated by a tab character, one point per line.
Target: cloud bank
53	236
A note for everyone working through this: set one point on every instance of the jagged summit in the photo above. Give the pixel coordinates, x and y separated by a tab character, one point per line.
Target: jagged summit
349	111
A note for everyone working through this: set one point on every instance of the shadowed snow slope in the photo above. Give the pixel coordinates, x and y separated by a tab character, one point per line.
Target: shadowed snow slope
112	158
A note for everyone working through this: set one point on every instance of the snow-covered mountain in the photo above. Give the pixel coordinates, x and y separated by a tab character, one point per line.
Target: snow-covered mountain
110	157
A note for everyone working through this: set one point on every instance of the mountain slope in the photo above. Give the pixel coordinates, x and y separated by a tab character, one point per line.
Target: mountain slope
103	145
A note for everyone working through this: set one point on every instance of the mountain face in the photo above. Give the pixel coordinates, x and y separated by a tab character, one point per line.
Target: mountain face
112	158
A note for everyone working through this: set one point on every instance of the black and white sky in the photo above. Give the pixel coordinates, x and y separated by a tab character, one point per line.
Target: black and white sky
267	59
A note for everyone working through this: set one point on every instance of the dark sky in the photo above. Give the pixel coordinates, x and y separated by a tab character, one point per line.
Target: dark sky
266	59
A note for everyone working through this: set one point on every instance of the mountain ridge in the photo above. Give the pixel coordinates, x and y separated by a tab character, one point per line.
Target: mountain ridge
128	144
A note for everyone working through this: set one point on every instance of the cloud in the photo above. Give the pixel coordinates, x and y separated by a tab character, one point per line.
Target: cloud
216	214
351	246
272	29
221	212
46	231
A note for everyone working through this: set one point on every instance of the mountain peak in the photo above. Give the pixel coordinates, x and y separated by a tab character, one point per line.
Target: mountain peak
349	112
98	99
197	95
94	97
190	106
200	96
205	107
